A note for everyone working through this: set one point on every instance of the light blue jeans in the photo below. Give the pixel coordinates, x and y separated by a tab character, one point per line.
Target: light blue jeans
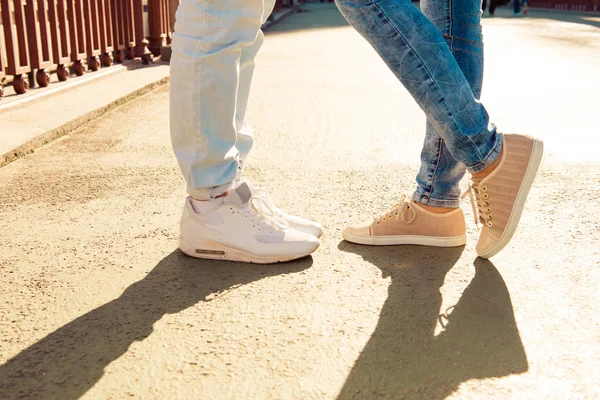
437	54
212	64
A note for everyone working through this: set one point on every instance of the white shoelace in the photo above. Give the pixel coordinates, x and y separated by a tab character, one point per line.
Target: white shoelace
264	208
480	205
399	210
267	197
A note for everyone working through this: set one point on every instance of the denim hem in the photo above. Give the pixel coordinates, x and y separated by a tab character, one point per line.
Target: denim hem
490	157
427	200
210	193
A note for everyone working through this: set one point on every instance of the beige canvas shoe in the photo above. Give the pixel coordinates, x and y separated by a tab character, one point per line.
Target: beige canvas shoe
407	223
500	196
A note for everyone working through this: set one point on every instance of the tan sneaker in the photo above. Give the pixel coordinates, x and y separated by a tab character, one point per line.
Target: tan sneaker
500	196
407	223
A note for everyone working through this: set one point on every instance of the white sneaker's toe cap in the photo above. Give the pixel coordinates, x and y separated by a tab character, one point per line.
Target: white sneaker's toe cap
298	242
305	225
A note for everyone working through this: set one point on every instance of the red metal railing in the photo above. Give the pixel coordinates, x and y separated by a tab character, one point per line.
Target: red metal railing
43	36
38	37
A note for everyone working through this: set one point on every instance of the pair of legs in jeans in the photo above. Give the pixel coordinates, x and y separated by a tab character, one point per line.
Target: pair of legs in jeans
438	57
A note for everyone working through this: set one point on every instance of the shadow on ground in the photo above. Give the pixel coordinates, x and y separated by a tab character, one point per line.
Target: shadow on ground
404	358
68	362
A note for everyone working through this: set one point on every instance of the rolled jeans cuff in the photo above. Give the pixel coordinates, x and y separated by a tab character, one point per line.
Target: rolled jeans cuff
491	156
210	193
423	198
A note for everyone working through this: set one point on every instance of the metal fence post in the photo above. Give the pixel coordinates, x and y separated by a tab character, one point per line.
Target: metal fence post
59	29
77	34
158	20
141	44
40	40
91	24
106	32
15	36
118	30
128	26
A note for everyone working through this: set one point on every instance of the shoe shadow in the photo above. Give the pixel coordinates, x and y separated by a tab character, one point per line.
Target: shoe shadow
404	358
68	362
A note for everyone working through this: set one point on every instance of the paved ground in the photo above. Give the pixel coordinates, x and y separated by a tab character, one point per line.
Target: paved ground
96	301
43	114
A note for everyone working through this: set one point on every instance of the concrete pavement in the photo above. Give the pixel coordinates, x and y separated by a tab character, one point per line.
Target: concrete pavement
42	115
97	303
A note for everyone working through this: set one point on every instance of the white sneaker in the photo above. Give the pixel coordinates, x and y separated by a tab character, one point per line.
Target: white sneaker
244	228
301	224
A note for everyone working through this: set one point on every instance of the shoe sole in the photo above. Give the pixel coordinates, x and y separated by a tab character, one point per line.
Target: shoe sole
214	251
517	211
456	241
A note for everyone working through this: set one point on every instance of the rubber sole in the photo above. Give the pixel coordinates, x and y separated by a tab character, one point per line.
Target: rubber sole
517	211
456	241
214	251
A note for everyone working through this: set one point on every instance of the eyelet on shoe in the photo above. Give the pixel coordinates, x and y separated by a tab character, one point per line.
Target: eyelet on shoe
489	224
490	217
486	203
489	210
484	188
486	196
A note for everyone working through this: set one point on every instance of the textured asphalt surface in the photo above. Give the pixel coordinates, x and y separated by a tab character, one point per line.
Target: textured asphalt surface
96	301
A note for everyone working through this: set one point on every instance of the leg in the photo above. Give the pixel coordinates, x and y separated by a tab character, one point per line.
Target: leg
208	43
503	167
211	69
417	53
493	5
459	23
516	6
243	128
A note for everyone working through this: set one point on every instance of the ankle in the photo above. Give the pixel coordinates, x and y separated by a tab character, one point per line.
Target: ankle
490	168
204	206
435	210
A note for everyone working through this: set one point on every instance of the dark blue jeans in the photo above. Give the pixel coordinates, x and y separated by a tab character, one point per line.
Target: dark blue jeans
437	54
